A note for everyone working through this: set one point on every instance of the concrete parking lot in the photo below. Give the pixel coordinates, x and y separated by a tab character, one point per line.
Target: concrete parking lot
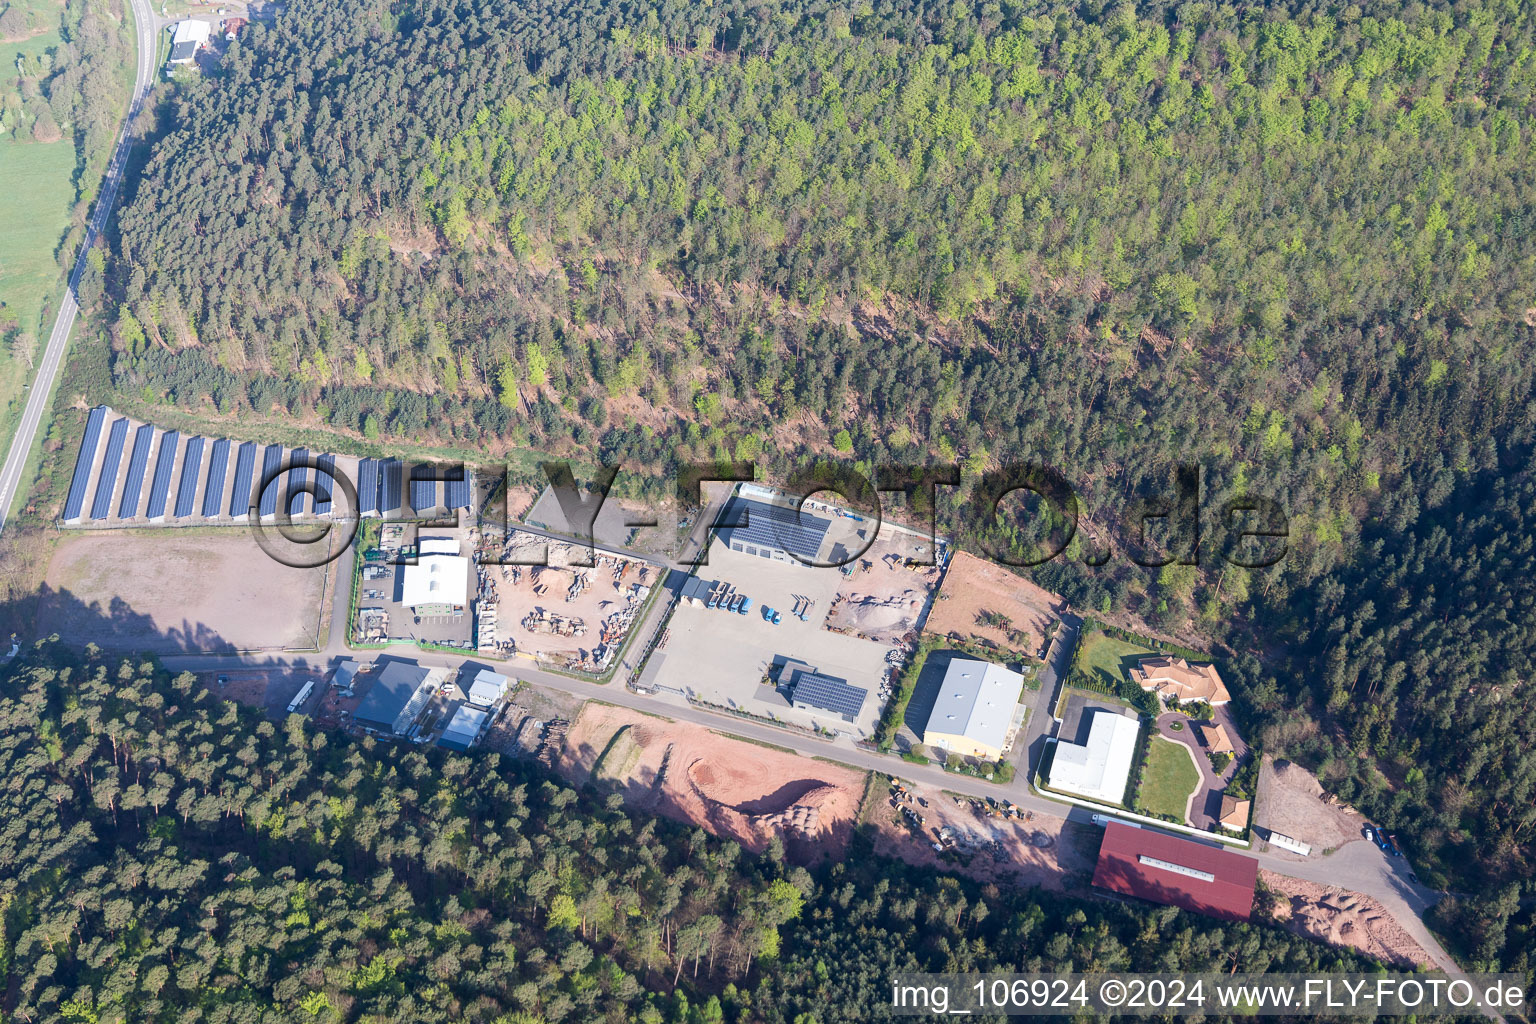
722	657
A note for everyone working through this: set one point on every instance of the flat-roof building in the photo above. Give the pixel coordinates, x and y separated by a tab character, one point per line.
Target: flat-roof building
1099	768
465	727
488	687
1164	869
438	582
773	531
974	712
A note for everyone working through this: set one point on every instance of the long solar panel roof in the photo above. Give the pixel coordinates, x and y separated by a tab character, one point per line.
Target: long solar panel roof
84	463
218	467
269	483
191	466
367	486
165	463
298	476
245	472
325	484
138	462
106	480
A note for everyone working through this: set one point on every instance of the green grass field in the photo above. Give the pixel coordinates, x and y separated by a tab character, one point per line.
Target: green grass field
1168	778
1106	660
34	211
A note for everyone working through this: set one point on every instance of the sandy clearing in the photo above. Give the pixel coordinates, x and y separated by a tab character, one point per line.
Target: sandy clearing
1338	916
739	790
1292	802
174	590
973	588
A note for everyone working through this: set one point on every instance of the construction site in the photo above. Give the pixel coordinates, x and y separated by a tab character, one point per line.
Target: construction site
562	614
988	606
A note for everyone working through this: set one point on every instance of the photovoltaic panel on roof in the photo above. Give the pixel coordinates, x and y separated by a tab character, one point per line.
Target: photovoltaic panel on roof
245	471
191	466
106	480
298	475
456	488
423	487
269	484
390	480
325	484
829	694
84	463
367	487
165	463
773	527
213	490
138	462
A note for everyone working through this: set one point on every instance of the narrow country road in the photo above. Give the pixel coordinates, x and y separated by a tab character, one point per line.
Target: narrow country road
41	394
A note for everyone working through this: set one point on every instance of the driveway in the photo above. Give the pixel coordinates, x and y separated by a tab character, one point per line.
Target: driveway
1205	806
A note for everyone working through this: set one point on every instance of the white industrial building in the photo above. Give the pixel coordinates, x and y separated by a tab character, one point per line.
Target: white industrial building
190	37
438	583
488	687
975	711
465	727
1099	768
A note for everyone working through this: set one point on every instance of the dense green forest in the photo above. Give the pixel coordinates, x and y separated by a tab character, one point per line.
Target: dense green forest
1291	242
169	856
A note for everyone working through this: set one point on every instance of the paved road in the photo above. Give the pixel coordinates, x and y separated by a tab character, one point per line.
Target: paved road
145	26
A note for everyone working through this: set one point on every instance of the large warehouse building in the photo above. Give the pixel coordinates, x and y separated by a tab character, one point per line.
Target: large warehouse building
438	584
1165	869
1099	768
398	694
773	531
974	713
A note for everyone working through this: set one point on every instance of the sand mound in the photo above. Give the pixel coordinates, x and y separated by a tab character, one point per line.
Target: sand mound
1343	918
754	821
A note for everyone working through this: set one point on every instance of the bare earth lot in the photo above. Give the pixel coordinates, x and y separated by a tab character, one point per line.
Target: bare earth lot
1045	850
974	587
1343	918
1291	802
172	590
743	791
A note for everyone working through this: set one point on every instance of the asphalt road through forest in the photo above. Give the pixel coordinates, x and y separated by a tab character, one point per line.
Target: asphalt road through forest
11	482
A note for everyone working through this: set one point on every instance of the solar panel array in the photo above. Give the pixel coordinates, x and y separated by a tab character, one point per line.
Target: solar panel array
368	487
189	478
84	463
423	487
213	490
828	693
160	489
268	484
298	476
186	490
456	488
138	462
325	482
245	471
106	480
390	473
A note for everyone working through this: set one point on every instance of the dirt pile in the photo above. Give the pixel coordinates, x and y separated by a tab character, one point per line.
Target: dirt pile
1292	802
1343	918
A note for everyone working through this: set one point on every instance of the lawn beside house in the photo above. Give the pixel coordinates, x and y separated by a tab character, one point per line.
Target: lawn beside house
1167	779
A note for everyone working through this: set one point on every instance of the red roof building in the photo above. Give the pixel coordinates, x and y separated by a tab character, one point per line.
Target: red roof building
1165	869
